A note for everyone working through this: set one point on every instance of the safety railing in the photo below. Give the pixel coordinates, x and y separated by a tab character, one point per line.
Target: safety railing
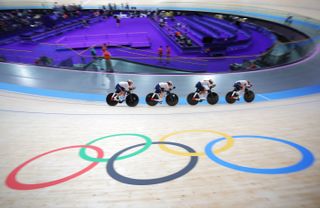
52	55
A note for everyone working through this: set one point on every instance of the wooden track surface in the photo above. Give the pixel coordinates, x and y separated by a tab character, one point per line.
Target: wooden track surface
32	125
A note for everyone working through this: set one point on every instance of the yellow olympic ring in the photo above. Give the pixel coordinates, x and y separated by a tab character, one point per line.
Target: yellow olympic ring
227	146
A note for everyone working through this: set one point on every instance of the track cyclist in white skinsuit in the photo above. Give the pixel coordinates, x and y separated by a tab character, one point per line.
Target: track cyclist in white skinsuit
240	85
121	89
161	88
204	86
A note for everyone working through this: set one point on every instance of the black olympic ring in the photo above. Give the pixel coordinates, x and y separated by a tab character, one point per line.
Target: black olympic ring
115	175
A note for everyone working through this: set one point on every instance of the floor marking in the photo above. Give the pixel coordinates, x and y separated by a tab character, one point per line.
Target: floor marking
306	161
264	97
12	182
227	146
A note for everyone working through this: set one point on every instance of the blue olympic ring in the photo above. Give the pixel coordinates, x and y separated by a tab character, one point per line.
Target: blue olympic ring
306	161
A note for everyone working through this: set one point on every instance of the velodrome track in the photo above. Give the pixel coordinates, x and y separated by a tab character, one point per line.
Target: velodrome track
45	109
43	116
34	125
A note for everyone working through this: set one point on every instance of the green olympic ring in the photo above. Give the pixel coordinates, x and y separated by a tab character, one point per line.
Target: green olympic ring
148	143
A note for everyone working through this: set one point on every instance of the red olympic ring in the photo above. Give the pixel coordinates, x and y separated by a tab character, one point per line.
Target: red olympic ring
13	183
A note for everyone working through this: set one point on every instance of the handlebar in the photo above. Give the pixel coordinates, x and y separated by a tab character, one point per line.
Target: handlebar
171	89
130	89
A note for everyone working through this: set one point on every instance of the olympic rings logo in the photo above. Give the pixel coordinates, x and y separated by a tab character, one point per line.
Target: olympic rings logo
306	161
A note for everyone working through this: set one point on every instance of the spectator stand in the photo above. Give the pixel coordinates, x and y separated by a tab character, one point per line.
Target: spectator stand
60	28
225	36
13	23
176	35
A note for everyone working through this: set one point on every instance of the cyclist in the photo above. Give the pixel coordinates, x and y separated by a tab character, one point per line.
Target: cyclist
240	85
203	87
121	89
161	88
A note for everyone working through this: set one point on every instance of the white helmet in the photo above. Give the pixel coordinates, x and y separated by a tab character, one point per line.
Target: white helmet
210	81
170	83
130	81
